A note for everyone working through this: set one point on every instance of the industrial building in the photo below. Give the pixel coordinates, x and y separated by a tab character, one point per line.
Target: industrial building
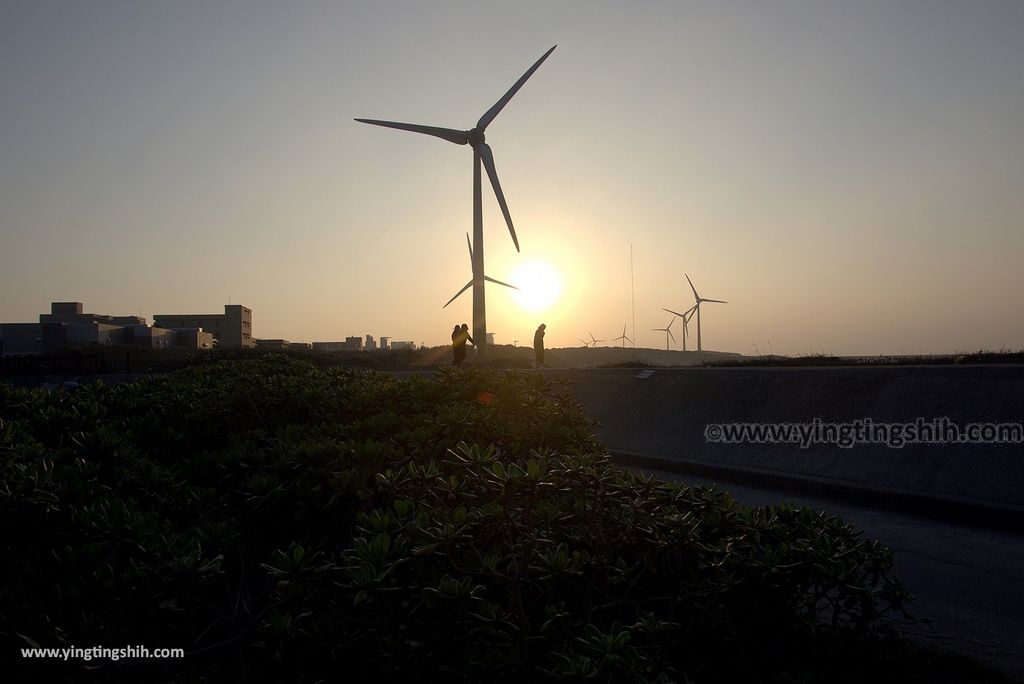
231	329
328	346
276	344
68	325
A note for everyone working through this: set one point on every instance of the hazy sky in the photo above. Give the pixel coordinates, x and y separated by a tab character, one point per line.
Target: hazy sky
848	175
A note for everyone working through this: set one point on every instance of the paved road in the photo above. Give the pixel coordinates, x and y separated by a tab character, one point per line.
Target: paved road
968	581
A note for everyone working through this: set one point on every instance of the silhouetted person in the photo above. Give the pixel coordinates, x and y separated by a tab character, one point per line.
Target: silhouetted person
460	335
538	346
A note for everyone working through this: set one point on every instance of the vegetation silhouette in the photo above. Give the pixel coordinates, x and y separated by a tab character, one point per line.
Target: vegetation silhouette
286	520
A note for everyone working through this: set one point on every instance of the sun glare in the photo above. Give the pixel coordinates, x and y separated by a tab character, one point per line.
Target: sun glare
539	286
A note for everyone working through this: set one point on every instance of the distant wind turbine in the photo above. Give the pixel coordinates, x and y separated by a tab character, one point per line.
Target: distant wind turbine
668	332
476	277
623	337
700	300
481	154
592	342
686	316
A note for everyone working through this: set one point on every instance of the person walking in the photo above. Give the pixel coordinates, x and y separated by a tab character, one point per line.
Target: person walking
538	346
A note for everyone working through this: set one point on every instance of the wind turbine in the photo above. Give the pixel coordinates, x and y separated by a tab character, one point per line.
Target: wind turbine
481	154
476	277
593	342
700	300
668	332
623	337
686	316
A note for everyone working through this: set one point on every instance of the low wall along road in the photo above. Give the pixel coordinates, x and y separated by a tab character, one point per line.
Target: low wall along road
691	416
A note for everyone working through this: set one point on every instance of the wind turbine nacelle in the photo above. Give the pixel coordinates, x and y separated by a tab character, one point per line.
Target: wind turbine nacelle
476	137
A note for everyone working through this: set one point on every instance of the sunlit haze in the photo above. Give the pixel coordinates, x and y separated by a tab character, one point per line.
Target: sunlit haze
539	285
847	175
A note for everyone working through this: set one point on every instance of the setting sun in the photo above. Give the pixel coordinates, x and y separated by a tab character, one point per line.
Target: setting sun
539	286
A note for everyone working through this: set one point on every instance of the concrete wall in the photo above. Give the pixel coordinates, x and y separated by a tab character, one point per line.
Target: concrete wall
95	333
666	415
153	338
193	338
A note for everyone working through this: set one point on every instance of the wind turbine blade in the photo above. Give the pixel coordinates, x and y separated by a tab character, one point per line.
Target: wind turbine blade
498	282
585	343
488	159
470	283
489	115
716	301
695	295
449	134
470	245
674	312
669	331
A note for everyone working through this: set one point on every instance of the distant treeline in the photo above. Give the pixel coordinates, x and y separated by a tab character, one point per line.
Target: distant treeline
124	359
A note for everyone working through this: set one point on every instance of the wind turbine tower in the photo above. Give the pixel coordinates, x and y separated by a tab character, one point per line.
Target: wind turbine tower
700	300
668	332
686	316
623	337
481	155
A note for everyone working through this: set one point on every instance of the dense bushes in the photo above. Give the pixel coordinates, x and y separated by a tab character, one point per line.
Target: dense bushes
281	521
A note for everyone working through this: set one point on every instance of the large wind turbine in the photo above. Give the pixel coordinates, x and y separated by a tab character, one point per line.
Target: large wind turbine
481	154
686	316
623	337
700	300
668	332
476	277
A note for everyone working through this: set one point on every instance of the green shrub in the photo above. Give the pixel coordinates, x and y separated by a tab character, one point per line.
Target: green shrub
283	521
